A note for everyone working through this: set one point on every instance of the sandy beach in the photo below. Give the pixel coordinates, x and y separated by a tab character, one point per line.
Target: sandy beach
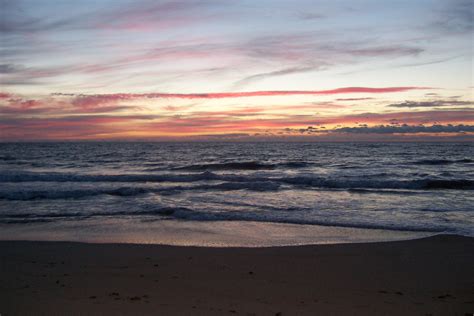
431	276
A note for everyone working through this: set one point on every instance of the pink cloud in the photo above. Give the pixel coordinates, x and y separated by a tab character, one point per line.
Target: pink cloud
95	126
86	101
91	101
354	99
152	16
18	105
223	95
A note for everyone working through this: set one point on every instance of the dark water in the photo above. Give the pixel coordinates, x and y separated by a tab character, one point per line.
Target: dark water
418	187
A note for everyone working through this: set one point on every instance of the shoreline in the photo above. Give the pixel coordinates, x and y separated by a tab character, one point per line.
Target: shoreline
413	238
430	275
216	234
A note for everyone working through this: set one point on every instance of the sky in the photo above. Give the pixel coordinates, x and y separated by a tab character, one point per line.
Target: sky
236	70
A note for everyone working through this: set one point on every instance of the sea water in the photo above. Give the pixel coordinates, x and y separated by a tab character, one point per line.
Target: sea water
235	193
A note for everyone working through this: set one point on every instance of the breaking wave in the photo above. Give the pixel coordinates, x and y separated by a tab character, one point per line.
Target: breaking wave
235	182
183	213
222	183
248	165
26	195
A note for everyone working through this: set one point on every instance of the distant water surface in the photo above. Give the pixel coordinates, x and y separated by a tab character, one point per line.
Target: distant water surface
414	187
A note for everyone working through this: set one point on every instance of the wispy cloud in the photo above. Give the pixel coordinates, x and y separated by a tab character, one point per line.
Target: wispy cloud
456	16
276	73
162	67
9	68
406	129
90	100
395	118
434	103
134	15
16	105
244	121
310	16
354	99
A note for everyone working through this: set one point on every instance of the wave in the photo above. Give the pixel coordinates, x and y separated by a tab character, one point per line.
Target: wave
156	211
183	213
72	177
383	191
357	187
7	158
441	161
25	195
253	182
18	218
421	184
248	165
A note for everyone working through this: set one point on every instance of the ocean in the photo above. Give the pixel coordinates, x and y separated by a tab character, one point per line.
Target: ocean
237	194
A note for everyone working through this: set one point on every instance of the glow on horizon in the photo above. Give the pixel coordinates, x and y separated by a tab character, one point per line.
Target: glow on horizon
247	70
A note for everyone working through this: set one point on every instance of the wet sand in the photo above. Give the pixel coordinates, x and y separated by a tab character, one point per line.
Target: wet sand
431	276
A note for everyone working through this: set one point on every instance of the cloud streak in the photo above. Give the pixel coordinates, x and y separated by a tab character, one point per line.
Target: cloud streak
276	73
162	67
406	129
247	120
89	100
434	103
